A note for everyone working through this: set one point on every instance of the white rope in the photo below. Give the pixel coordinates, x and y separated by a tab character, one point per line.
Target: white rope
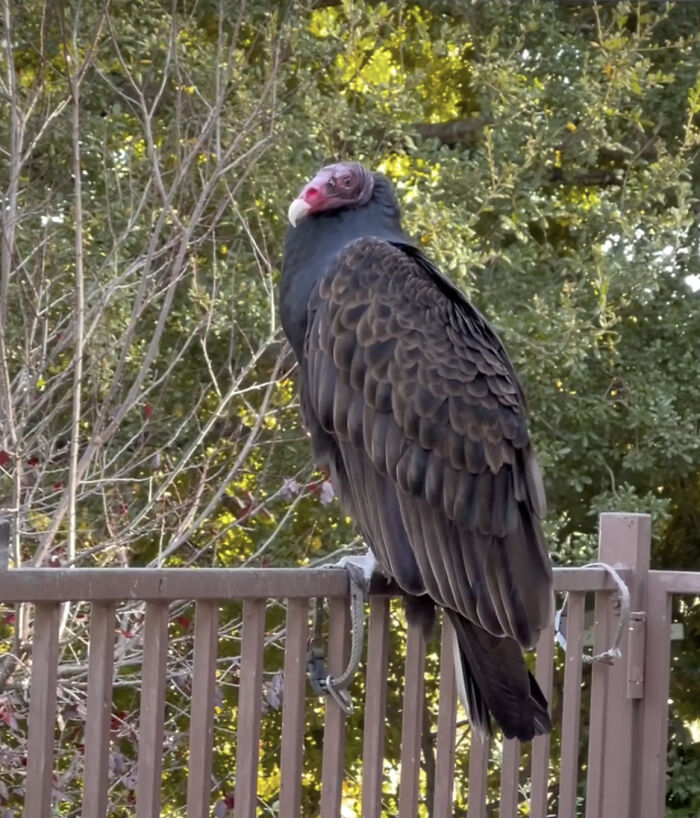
608	656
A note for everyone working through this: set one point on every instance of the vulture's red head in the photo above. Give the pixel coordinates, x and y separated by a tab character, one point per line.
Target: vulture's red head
344	184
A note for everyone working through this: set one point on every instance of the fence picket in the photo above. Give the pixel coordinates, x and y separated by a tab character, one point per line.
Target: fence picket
375	707
478	769
99	709
293	710
249	708
412	720
544	673
571	711
510	779
597	727
446	726
654	740
202	717
42	711
155	651
333	763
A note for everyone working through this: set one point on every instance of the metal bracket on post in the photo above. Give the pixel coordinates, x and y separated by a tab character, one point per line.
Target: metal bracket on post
636	647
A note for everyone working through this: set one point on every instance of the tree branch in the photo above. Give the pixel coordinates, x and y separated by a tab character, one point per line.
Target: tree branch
455	132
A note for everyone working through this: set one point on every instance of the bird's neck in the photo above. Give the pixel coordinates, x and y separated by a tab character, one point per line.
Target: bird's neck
308	251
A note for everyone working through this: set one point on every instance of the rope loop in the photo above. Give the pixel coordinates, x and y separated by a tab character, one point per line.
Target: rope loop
607	657
322	682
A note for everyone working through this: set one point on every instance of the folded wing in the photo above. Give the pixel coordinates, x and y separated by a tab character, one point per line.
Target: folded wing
412	402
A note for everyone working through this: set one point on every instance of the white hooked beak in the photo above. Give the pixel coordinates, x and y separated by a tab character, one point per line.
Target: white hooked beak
297	210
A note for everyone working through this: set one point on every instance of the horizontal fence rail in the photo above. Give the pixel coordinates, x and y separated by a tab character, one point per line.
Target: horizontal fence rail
588	765
676	582
171	584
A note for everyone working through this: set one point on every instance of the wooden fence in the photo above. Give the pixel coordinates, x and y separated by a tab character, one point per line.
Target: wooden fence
621	771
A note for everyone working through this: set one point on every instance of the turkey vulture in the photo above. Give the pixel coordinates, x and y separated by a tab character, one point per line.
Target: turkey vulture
413	407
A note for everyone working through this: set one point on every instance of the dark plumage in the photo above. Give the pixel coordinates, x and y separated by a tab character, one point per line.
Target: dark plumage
413	407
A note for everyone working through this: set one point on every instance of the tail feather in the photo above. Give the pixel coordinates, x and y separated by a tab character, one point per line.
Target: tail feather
493	681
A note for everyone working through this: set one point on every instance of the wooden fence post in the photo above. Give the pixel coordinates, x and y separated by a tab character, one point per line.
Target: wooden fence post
616	690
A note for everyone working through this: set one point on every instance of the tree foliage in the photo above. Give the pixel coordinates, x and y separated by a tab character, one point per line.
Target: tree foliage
546	155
